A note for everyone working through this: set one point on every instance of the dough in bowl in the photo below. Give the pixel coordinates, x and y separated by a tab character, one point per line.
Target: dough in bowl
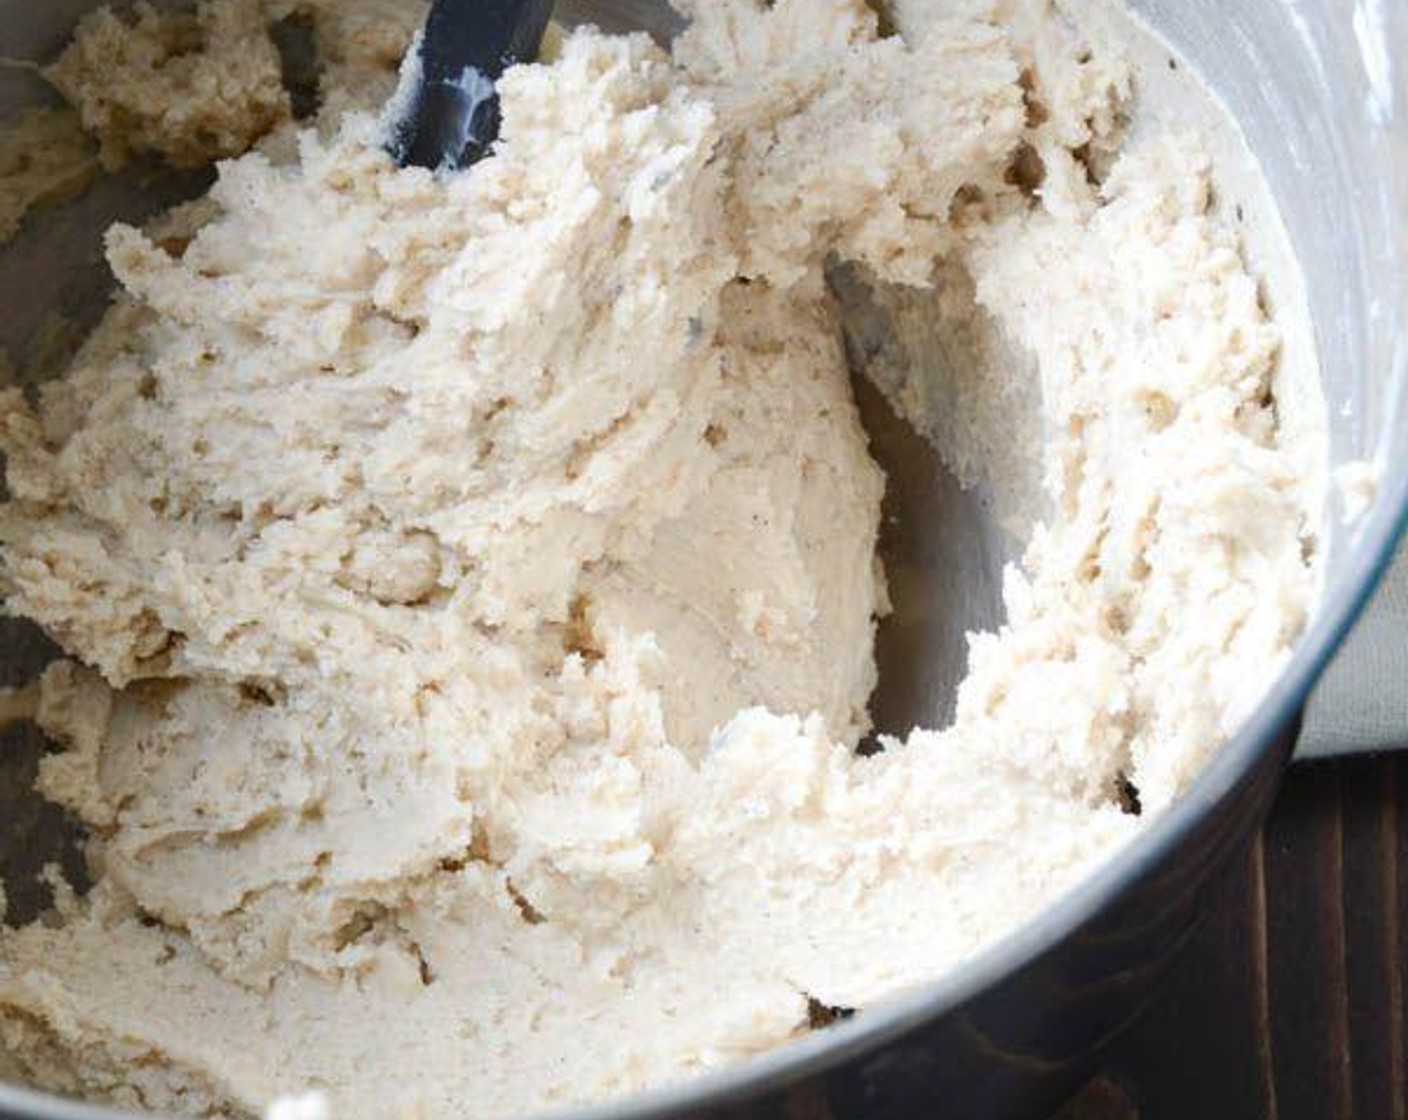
468	581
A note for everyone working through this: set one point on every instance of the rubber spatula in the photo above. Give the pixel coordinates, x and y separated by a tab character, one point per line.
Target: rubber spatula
451	118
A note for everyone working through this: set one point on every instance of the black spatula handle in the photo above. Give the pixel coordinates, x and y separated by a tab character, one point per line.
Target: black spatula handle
453	115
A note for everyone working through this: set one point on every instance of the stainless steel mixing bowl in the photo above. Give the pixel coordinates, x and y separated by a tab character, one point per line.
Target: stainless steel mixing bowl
1318	89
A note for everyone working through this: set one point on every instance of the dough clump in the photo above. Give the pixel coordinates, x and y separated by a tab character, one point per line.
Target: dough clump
470	581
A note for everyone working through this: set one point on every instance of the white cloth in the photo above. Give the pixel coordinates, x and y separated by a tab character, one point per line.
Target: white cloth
1361	703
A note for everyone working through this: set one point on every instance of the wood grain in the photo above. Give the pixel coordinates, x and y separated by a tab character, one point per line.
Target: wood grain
1290	1004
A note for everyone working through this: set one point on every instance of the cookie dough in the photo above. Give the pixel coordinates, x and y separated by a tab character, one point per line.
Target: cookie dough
470	581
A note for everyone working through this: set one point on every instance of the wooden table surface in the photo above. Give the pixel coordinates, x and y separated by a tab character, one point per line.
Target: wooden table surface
1291	1002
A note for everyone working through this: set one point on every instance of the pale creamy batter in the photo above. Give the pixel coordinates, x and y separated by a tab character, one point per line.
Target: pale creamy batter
470	581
